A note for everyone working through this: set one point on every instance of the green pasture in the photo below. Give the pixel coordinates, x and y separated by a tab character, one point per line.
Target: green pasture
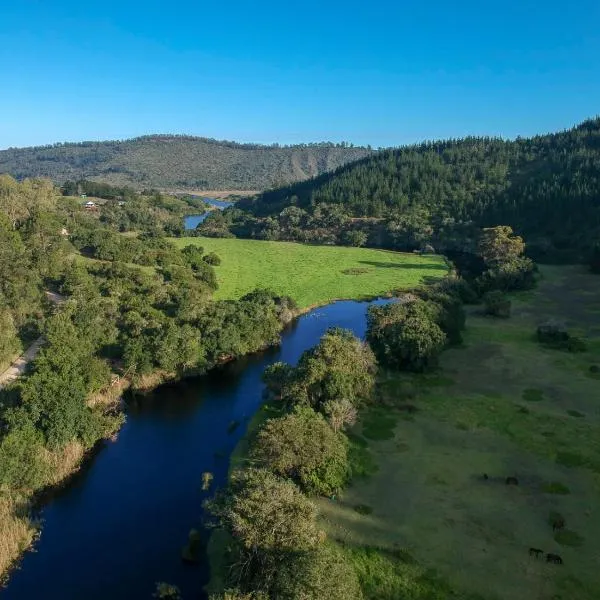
314	275
424	523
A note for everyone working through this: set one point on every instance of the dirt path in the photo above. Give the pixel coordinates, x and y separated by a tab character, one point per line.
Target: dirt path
18	367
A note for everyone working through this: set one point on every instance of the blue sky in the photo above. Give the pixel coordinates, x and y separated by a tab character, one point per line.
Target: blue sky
381	73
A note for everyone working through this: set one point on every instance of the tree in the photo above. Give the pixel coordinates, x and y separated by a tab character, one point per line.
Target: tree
9	342
496	304
302	446
322	573
498	245
355	238
340	413
265	513
405	335
340	366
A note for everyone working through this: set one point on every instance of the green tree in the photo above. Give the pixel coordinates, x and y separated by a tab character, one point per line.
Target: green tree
355	238
340	366
499	245
265	513
303	447
405	335
316	575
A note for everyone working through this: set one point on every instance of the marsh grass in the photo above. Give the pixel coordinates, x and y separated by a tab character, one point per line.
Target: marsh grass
17	531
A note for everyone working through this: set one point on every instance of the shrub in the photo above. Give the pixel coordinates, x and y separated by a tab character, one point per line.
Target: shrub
497	304
554	334
212	259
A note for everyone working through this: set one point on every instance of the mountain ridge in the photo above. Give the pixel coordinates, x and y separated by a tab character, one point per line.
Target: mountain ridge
179	161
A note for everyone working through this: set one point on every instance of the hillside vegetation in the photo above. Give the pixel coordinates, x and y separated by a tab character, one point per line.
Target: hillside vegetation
546	187
167	161
313	275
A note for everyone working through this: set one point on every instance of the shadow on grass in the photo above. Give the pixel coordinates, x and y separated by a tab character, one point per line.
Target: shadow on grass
393	265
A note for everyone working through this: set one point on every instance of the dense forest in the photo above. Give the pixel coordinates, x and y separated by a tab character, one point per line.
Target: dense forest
178	162
135	309
546	187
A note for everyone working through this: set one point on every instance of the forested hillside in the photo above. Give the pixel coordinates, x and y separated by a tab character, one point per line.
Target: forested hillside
167	161
546	187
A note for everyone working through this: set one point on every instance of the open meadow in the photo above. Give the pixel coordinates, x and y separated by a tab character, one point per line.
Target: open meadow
313	275
433	516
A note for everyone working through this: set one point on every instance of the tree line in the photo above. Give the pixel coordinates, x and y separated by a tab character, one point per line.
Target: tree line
437	193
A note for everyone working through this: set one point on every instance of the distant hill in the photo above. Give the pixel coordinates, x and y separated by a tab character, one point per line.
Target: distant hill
547	187
168	161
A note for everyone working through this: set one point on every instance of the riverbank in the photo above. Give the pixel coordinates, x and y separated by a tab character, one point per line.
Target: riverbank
500	405
19	528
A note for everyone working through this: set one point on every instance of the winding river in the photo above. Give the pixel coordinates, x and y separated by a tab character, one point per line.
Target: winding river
119	526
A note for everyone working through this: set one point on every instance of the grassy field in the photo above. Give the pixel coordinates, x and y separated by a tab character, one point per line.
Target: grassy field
313	275
425	520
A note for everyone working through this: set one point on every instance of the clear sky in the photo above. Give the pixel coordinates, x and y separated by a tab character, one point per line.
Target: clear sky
381	72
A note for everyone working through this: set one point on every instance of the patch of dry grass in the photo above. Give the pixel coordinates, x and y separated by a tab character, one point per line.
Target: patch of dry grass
17	532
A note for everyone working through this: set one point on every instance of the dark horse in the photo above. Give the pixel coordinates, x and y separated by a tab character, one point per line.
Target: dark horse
512	481
558	524
554	558
535	552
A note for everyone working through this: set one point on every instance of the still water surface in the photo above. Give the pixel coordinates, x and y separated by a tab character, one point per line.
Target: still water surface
192	221
118	528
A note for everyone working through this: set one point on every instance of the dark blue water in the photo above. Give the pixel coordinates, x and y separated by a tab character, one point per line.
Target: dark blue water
119	527
192	221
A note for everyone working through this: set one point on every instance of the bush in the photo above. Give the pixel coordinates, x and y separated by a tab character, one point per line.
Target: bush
496	304
302	446
554	334
404	335
212	259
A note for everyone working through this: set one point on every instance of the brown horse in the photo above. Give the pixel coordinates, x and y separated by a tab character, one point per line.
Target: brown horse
535	552
558	524
554	558
512	481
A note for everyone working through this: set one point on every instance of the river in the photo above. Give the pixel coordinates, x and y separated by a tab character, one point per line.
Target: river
119	526
192	221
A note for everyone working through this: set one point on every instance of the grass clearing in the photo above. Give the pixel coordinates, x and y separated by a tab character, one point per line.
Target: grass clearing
429	495
313	275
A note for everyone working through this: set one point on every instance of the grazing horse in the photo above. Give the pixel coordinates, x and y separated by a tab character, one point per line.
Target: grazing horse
535	552
512	481
485	476
558	524
554	558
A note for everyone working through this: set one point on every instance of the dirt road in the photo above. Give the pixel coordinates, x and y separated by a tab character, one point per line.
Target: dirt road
18	367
